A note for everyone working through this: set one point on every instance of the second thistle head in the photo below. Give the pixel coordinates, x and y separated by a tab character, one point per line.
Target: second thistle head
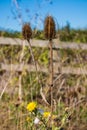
49	28
27	31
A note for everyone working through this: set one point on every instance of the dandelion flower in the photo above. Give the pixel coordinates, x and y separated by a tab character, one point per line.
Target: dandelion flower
31	106
46	114
28	119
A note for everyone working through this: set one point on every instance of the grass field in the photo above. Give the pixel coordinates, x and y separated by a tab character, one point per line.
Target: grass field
20	89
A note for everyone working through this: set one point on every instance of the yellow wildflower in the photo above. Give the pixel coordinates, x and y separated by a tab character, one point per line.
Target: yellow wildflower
46	114
28	119
31	106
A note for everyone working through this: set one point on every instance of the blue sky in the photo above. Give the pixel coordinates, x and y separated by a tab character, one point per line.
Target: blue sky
15	12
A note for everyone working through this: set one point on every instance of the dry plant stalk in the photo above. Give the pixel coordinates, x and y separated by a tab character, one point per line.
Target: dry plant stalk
27	34
50	32
5	87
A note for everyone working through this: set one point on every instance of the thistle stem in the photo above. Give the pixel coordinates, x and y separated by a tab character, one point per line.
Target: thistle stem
51	76
35	64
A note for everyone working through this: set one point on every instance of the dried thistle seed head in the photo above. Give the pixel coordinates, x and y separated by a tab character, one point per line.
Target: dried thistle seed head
49	28
26	31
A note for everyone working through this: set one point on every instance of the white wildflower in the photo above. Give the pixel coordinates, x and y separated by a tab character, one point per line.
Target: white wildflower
36	121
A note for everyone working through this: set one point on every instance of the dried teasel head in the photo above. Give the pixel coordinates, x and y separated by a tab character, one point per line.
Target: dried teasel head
49	28
27	31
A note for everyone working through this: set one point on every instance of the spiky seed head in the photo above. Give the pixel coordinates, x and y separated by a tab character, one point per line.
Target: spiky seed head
27	31
49	28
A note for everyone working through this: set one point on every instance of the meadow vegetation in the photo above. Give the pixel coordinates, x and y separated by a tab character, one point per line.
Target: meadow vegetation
22	104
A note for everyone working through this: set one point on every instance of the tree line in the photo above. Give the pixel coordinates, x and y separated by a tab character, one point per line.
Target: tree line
65	33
